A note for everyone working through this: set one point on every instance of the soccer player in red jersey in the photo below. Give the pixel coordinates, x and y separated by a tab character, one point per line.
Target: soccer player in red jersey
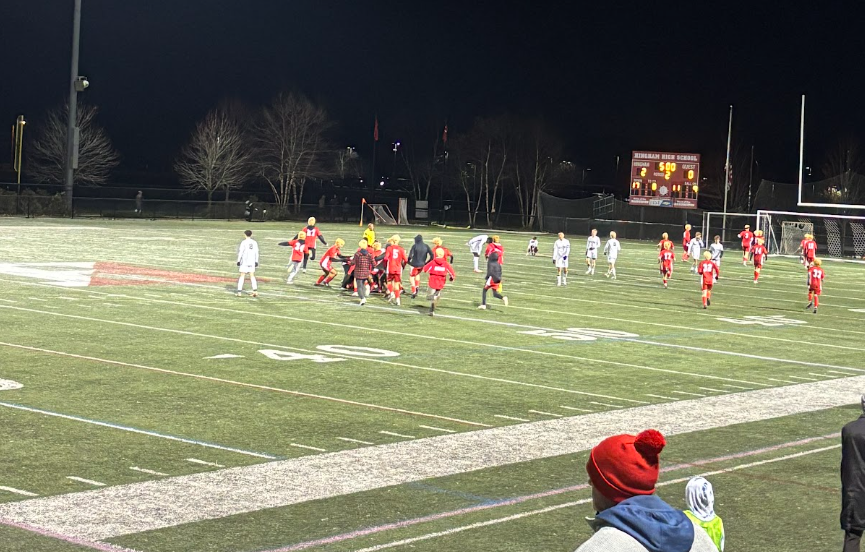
759	254
686	240
666	260
809	249
330	256
396	259
437	244
493	281
709	271
747	238
312	232
665	239
438	269
298	250
418	256
495	245
816	275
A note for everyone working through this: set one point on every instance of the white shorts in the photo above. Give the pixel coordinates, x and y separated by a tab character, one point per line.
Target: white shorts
246	269
611	259
476	251
591	253
561	263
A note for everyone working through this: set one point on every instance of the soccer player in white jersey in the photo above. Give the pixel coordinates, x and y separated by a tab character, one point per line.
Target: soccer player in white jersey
694	247
716	248
611	250
532	248
476	246
247	260
592	246
561	250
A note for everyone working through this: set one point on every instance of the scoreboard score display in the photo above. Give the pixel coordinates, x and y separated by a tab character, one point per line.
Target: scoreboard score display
661	179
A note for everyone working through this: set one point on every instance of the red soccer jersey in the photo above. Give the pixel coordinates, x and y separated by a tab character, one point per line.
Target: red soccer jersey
498	248
312	234
686	239
747	237
662	242
438	270
298	248
802	244
709	270
815	278
396	259
810	249
759	252
667	257
447	251
329	257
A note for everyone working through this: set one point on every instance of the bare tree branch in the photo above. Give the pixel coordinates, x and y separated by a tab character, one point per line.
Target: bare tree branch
96	156
215	158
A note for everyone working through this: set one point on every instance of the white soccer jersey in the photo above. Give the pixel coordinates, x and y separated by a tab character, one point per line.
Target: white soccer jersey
561	249
533	244
716	249
592	246
247	255
612	248
694	247
476	244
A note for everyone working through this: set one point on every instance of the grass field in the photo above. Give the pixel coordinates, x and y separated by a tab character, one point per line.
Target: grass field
145	407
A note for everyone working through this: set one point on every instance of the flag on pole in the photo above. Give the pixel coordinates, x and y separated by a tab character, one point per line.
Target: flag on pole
363	201
445	134
375	130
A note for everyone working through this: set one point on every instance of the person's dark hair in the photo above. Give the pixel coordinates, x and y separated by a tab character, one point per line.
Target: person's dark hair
248	233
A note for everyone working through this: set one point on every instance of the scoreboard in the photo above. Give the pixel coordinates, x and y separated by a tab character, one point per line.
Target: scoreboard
662	179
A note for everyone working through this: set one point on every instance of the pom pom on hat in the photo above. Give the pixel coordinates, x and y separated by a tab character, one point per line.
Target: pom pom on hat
650	443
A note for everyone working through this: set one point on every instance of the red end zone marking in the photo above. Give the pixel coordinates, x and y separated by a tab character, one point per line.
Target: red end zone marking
118	274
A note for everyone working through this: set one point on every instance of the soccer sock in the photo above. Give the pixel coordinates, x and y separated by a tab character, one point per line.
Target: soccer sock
305	258
559	279
756	275
329	278
497	295
705	296
397	288
321	278
484	296
613	271
816	300
253	281
476	263
240	282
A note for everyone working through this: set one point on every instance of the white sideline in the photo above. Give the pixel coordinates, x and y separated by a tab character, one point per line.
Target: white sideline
137	507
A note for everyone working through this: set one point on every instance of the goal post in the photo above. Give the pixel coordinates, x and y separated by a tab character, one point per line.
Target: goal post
726	225
838	236
383	214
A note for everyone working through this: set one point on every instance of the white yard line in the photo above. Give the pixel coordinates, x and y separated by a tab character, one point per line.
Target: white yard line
606	404
135	430
571	504
358	441
503	417
575	409
821	376
662	397
150	472
241	384
715	390
87	481
397	434
204	463
307	447
542	413
737	387
440	429
803	378
17	491
687	393
782	381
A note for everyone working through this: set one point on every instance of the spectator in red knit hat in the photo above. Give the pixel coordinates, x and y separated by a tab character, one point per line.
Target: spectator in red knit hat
623	471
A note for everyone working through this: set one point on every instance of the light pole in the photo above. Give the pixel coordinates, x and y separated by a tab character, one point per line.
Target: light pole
18	132
396	146
71	127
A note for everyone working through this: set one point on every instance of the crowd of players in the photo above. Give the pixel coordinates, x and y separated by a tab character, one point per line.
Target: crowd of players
374	268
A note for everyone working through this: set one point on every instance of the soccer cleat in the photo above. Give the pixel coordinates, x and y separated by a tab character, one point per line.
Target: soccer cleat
397	302
482	307
809	305
708	302
815	310
304	271
239	294
355	294
362	302
589	271
505	300
755	281
414	295
607	274
477	270
665	285
705	307
254	293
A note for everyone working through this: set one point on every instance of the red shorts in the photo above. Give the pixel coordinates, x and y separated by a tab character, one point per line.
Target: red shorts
746	247
707	287
816	291
809	257
326	265
666	268
415	270
490	284
758	263
394	277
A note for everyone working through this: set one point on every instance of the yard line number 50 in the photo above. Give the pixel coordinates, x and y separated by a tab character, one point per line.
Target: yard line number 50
581	334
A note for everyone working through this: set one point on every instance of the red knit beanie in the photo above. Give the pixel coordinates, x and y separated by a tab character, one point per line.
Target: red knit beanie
624	466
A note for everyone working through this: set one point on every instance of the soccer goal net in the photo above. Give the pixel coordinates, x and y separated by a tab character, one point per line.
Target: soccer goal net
382	213
838	236
726	225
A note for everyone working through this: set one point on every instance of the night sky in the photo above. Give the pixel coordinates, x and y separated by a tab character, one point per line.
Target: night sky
610	79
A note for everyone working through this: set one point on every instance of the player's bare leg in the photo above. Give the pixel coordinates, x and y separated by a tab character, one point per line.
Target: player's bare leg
254	283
